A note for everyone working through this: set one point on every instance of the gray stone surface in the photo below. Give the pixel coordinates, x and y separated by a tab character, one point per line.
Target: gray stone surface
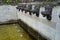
7	12
39	25
50	29
58	24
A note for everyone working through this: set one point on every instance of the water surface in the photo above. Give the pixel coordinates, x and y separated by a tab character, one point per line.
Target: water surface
13	32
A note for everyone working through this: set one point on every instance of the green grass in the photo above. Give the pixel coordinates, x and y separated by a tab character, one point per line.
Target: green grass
13	32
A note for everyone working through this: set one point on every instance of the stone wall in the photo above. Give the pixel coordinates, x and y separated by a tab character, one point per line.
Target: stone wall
32	32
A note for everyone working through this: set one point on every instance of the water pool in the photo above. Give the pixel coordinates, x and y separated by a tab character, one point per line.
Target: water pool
13	32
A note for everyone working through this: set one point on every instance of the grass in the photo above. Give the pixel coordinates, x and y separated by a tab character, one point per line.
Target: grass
13	32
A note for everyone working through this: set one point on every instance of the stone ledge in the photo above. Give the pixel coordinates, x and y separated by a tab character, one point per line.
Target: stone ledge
8	22
31	31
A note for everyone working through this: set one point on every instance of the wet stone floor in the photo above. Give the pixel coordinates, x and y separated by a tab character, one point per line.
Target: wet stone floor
13	32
